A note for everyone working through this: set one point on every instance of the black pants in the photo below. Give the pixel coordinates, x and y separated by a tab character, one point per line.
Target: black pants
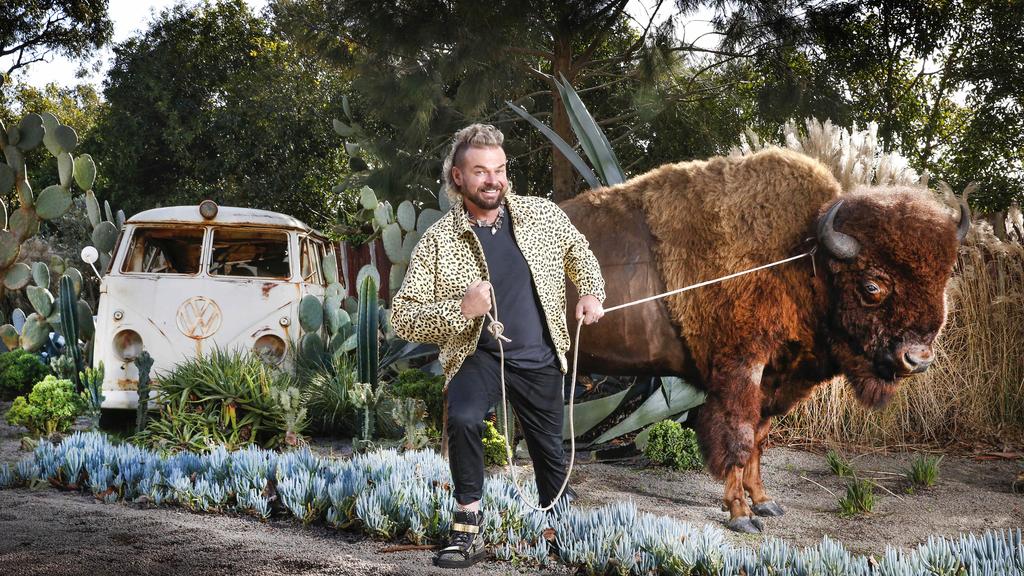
536	397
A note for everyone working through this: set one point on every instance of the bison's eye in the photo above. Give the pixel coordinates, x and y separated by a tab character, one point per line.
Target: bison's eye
871	292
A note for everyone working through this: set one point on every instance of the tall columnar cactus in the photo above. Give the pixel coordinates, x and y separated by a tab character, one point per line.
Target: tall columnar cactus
69	323
144	362
23	223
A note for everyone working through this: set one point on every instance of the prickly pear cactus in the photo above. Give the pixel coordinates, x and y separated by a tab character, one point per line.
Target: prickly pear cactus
22	222
400	230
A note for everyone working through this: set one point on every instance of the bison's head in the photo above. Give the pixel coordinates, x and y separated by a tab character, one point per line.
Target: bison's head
890	253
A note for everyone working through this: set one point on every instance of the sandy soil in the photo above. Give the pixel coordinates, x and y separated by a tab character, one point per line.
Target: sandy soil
51	532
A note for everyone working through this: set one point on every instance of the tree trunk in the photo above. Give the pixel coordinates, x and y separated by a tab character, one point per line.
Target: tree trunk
563	175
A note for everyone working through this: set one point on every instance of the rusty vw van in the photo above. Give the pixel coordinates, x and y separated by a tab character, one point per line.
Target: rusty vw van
184	280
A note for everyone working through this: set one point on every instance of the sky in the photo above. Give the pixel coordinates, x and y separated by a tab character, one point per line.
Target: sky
131	17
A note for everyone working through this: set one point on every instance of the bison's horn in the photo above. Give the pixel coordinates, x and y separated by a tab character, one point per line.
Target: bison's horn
842	246
965	213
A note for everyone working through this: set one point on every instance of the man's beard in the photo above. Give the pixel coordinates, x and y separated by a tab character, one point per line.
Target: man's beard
485	204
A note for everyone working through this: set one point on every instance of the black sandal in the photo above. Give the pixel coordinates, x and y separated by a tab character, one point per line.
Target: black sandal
466	544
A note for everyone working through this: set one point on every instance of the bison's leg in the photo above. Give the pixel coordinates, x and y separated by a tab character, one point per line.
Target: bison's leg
762	504
725	426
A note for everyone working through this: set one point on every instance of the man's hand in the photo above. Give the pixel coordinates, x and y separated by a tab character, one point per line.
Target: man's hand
589	309
477	300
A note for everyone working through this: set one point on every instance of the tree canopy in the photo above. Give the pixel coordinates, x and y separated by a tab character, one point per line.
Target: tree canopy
32	30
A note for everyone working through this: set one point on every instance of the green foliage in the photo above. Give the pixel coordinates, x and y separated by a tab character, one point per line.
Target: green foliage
51	407
31	29
62	366
92	394
19	371
414	383
495	453
328	397
222	398
242	115
924	470
838	465
669	444
859	499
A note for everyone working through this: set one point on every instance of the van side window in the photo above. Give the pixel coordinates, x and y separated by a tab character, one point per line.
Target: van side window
311	254
251	253
164	251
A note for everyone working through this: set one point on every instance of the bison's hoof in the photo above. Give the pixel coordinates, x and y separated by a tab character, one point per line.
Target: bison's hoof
768	508
746	525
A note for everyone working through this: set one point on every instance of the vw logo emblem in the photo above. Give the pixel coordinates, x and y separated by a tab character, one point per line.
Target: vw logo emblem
199	317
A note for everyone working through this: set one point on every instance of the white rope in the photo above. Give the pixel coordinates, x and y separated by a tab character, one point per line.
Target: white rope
497	328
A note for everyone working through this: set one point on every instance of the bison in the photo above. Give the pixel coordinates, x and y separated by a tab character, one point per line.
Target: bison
867	305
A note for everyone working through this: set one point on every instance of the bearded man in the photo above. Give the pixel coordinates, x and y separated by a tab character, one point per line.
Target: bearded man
518	249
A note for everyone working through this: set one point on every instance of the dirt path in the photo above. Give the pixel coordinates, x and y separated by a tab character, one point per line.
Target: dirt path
51	532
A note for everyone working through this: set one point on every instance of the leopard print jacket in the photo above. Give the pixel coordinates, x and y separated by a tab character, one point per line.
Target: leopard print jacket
449	257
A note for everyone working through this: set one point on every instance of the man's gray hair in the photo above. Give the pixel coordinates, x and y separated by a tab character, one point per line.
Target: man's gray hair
474	135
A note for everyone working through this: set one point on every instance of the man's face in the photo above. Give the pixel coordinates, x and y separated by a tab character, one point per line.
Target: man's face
481	177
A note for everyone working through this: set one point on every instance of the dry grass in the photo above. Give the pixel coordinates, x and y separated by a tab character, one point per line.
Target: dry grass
974	393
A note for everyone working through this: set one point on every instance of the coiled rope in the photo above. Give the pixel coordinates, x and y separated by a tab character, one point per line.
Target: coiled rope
497	329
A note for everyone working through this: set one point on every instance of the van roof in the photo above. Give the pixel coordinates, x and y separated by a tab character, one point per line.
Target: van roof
225	215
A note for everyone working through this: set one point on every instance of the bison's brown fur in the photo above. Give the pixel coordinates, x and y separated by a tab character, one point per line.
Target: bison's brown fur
760	343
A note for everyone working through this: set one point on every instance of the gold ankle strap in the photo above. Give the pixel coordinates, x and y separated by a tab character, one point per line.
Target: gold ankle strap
471	528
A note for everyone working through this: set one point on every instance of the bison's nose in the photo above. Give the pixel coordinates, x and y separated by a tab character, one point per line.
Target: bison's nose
915	357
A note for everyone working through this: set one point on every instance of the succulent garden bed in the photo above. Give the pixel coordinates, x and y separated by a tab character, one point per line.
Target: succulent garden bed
352	513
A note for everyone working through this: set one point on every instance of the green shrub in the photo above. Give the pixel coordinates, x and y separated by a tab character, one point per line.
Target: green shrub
51	407
328	395
838	465
669	444
924	470
420	385
237	397
494	446
859	499
19	371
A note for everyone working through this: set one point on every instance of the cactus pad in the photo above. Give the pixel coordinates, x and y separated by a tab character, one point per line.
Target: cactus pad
330	266
34	333
41	299
367	198
104	236
24	223
76	280
31	127
85	172
312	345
311	313
9	248
391	237
50	124
66	138
334	289
407	216
65	169
9	336
41	274
25	195
17	276
53	202
92	208
86	327
7	178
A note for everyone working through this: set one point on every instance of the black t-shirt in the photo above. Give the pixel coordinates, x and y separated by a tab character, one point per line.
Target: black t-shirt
517	302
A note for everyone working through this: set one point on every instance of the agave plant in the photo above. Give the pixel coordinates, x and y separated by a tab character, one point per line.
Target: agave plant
673	397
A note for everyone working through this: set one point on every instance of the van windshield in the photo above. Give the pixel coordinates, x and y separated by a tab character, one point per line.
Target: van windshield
164	251
250	253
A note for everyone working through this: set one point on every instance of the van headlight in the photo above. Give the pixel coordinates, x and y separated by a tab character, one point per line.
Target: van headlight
127	345
270	347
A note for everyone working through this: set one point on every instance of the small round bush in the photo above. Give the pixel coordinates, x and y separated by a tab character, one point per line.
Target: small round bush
669	444
19	371
495	453
51	407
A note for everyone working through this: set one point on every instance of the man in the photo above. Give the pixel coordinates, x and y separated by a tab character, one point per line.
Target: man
521	248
